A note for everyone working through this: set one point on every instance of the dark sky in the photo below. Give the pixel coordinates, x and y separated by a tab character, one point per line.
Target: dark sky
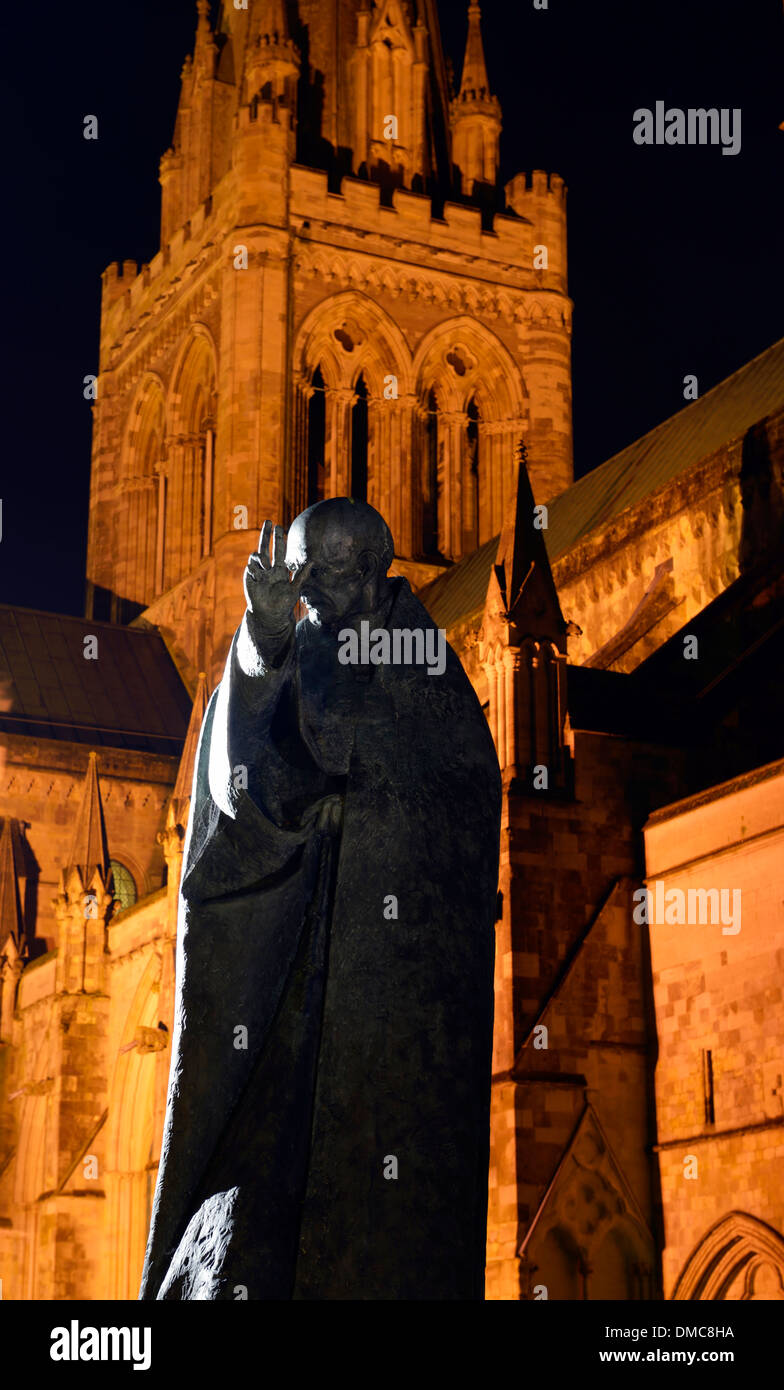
675	253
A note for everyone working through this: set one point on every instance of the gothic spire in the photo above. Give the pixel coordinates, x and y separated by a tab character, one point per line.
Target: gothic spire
475	114
522	567
90	850
474	84
12	878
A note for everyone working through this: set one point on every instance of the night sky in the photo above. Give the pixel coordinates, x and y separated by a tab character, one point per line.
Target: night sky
675	253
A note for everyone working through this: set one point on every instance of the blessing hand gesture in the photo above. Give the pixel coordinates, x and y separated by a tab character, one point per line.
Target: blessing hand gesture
270	591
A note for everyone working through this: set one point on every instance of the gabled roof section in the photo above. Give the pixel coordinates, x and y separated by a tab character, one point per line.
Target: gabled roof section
462	589
130	696
672	448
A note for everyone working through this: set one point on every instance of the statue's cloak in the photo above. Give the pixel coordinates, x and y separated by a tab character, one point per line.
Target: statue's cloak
327	1125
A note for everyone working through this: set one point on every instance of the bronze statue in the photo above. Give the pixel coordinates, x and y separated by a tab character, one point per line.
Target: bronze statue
327	1126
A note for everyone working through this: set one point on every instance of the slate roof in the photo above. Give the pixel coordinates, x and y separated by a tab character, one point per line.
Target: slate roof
130	697
462	588
673	447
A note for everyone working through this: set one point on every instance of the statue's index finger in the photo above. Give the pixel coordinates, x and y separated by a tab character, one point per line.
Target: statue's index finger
264	539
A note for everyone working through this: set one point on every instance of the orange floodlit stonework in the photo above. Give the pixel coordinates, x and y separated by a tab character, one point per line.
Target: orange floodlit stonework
719	999
345	302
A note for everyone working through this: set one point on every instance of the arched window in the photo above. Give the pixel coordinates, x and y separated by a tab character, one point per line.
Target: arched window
135	581
359	443
430	544
317	429
124	884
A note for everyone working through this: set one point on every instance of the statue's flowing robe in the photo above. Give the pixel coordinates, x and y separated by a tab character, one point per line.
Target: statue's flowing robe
327	1124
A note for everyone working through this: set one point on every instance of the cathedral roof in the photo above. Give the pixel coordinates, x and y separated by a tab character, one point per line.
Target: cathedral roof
642	468
129	696
673	447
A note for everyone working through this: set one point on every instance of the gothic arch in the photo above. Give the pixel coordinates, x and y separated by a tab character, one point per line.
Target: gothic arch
194	366
739	1258
589	1225
491	374
379	347
190	456
146	421
348	337
618	1267
468	368
142	451
613	1263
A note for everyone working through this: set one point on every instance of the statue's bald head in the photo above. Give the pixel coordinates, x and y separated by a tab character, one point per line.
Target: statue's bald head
340	551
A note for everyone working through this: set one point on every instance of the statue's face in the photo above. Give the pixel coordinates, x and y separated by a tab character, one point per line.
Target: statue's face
331	566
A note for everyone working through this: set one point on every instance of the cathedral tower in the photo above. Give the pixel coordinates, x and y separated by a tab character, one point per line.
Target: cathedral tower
335	308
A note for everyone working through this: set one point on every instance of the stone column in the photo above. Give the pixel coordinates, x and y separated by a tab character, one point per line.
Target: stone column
414	513
406	498
160	529
451	440
492	694
512	664
295	487
501	709
340	401
378	454
209	457
176	502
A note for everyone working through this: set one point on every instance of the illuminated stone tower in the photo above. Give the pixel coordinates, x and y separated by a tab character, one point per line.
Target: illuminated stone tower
345	301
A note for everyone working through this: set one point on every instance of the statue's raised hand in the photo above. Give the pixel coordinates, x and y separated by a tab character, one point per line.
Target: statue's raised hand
269	589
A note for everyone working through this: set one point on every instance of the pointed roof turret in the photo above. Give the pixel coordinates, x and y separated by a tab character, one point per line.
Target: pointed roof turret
90	850
12	880
475	114
522	569
178	806
474	85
